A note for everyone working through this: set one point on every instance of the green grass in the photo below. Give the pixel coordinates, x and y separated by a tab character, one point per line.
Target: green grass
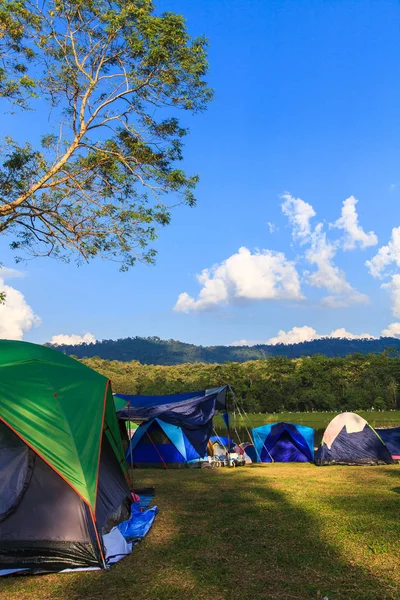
318	420
281	531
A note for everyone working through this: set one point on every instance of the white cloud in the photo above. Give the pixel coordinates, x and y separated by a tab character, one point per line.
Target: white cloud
299	214
354	233
343	333
246	343
73	339
386	255
321	252
394	290
16	316
264	275
393	330
272	228
296	335
328	275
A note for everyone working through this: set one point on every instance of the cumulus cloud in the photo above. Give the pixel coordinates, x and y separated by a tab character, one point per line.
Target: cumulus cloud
393	330
354	233
264	275
393	288
246	343
16	316
328	275
299	214
73	339
321	252
386	255
307	334
343	333
296	335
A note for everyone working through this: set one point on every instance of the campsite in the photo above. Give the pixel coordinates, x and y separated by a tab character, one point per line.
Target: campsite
211	528
231	538
199	300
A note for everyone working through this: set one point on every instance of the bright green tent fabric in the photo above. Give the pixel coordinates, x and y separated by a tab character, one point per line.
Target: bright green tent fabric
59	407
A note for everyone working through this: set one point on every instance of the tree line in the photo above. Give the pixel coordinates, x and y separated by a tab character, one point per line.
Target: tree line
155	351
355	382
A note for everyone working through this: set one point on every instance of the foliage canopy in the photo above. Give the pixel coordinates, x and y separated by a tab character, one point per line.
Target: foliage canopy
114	76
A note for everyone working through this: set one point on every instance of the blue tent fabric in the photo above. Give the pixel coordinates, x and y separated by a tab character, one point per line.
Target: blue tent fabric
391	437
284	442
192	412
251	452
146	447
357	448
227	419
142	402
223	441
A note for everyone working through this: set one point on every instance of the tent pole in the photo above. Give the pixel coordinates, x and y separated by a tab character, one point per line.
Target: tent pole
130	440
228	426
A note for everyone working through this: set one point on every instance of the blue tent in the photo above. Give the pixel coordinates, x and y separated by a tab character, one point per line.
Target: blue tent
391	437
158	444
350	440
188	415
284	442
224	442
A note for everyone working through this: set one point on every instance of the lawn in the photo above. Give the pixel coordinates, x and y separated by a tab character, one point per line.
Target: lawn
318	420
241	425
281	531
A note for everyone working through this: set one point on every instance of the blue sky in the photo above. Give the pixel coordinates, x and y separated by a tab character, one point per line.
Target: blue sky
307	98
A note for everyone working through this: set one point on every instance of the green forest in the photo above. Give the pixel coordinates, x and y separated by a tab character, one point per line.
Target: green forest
355	382
155	351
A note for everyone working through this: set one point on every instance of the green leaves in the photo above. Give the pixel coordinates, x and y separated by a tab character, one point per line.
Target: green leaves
114	76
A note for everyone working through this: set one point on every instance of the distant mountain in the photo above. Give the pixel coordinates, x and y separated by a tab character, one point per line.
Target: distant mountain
154	351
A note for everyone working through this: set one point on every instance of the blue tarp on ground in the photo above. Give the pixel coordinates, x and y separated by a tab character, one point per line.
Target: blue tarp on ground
391	437
191	412
284	442
146	496
137	527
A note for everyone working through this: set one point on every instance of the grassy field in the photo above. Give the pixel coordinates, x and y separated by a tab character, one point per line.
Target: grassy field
318	420
282	531
241	425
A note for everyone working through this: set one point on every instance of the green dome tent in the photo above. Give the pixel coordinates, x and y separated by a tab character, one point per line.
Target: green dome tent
62	468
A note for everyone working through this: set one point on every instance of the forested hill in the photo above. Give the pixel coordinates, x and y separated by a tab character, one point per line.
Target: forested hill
154	351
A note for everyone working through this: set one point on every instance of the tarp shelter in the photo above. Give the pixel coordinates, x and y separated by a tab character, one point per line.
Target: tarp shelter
391	437
284	442
184	419
63	475
350	440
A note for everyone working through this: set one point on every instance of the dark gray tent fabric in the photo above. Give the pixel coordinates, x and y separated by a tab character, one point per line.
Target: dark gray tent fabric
49	527
16	465
113	495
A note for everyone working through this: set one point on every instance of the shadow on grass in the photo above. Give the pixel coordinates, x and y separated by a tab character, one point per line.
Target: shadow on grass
225	535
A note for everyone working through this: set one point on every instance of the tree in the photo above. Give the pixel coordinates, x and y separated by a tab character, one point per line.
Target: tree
114	76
